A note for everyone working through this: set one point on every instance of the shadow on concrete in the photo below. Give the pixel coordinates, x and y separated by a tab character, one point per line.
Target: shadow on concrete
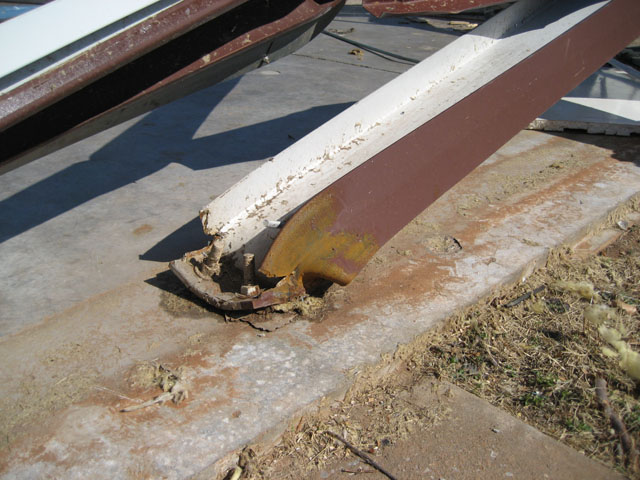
162	137
131	156
168	282
624	149
185	239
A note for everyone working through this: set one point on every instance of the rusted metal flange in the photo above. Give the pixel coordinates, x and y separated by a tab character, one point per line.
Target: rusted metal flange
210	278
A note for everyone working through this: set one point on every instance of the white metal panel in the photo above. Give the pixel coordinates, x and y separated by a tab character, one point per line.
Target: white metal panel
607	102
53	26
628	109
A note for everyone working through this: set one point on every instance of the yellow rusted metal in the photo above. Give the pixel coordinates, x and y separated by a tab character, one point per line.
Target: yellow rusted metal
312	244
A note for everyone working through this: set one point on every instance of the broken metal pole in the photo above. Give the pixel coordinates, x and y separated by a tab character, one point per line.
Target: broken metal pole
336	233
348	187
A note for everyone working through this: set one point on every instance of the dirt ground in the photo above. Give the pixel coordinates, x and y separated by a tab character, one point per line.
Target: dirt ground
535	351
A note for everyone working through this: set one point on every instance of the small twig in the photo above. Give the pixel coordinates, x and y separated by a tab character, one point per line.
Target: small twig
524	297
124	397
177	394
361	454
159	399
356	472
616	423
492	359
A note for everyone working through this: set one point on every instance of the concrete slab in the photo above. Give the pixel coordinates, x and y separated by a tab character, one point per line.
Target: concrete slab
476	440
86	296
535	193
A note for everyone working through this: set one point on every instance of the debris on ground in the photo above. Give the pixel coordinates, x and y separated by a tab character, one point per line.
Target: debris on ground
245	466
307	306
442	244
376	413
341	32
172	382
462	25
359	453
583	289
275	317
177	394
357	52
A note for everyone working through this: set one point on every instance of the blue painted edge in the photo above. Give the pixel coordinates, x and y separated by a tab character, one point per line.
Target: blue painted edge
8	12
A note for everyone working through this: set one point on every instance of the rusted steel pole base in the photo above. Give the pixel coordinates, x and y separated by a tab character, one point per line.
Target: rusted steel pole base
225	289
470	99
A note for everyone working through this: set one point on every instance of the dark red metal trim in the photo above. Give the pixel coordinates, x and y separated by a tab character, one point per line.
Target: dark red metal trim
118	89
381	8
105	57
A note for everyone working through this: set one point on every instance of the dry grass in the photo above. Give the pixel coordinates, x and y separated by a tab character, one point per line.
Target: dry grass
539	359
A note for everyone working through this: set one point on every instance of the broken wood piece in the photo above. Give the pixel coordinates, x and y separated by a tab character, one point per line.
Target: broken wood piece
617	424
524	297
462	25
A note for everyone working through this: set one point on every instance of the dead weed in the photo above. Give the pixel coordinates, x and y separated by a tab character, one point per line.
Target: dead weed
539	359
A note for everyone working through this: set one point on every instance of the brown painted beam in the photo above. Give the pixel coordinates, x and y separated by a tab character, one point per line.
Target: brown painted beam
336	233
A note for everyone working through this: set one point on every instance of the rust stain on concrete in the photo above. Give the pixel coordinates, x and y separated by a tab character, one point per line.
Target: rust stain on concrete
142	229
